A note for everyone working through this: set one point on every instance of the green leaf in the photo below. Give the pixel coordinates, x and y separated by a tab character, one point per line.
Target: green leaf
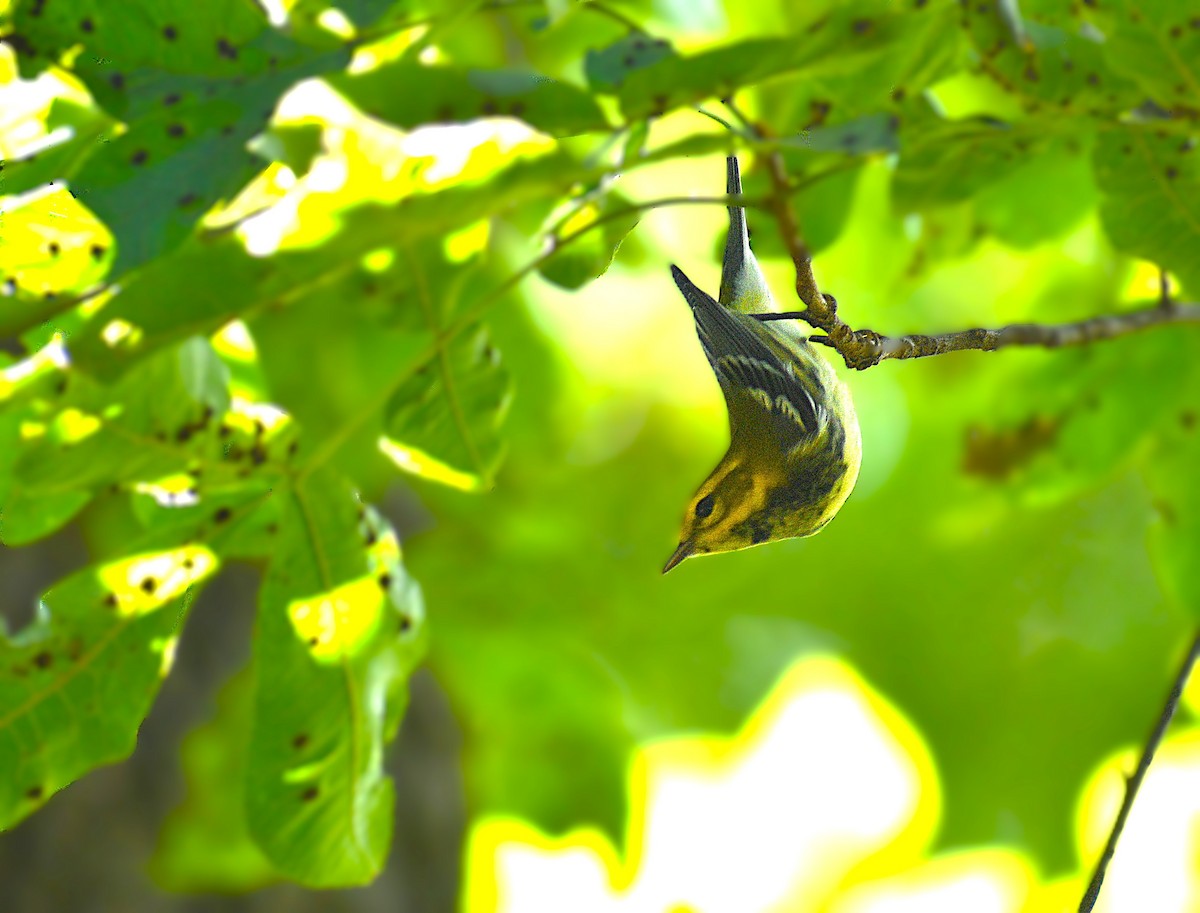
450	410
590	255
452	413
50	247
1047	57
1149	179
294	145
832	43
158	420
858	136
205	377
607	68
1018	211
76	683
212	279
1154	44
362	13
411	94
192	85
924	45
945	162
84	128
338	635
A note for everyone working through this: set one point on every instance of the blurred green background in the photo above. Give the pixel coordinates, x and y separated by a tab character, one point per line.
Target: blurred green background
1015	573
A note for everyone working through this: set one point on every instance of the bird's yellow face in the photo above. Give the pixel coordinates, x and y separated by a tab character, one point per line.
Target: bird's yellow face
727	512
752	498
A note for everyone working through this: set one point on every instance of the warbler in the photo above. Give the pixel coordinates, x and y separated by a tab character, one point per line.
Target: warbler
794	442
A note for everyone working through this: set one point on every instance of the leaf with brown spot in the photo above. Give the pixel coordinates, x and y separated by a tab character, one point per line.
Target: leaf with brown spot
338	834
1151	197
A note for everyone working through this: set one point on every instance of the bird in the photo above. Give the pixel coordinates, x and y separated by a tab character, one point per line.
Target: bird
794	442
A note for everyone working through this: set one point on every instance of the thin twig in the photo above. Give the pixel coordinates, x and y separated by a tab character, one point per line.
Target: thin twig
867	348
877	348
1134	781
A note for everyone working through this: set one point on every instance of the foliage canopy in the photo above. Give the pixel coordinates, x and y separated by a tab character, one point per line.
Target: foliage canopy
221	353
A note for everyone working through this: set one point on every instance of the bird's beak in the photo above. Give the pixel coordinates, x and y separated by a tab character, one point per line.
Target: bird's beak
684	551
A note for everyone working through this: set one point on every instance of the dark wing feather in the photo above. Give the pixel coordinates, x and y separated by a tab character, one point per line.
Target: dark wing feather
753	375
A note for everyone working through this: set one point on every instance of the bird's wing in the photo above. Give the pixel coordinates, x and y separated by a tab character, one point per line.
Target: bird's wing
761	381
743	287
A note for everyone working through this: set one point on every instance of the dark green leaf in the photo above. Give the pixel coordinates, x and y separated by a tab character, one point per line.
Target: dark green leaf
949	161
411	94
338	634
606	69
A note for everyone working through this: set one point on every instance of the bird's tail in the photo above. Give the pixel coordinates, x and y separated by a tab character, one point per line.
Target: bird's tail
721	331
743	286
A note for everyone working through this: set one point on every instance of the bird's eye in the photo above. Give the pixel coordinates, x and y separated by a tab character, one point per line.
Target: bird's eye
704	507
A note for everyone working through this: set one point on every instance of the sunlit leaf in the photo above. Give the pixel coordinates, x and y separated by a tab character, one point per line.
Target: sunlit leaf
76	683
192	90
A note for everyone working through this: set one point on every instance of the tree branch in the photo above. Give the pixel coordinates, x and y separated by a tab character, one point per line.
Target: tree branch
1134	781
865	348
862	349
